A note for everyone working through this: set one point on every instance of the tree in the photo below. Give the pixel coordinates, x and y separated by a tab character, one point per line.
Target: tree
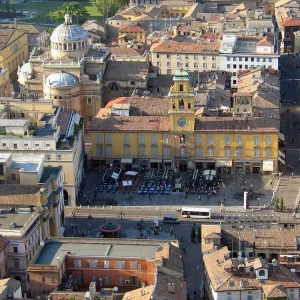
276	205
109	8
281	204
76	9
193	234
199	234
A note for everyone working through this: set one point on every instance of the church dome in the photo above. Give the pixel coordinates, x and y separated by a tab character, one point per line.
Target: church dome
68	32
61	79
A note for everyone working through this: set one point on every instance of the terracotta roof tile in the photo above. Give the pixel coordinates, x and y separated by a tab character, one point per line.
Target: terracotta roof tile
207	230
238	124
140	294
274	291
291	23
186	47
131	28
3	243
132	123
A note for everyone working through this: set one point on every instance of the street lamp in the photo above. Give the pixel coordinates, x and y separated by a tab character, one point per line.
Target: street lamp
258	201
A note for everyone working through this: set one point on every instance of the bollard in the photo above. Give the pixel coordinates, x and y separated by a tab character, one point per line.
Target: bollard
126	207
111	207
103	206
80	205
156	207
88	206
95	206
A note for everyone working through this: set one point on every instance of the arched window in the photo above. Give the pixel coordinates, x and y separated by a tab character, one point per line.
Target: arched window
82	44
174	106
59	46
181	87
181	104
189	105
56	46
74	46
69	46
65	46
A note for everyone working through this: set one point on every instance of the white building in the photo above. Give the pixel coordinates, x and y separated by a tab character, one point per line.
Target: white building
240	53
53	132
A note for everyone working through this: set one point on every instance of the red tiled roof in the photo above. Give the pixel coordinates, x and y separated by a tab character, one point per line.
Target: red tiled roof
3	243
115	101
131	28
292	22
185	47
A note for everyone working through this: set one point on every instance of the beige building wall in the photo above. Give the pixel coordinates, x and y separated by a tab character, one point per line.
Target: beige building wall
169	63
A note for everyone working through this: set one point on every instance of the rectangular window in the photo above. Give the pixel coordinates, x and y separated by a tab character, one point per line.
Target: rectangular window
99	138
210	139
15	146
154	150
228	58
16	263
13	176
106	264
15	249
256	152
100	150
234	58
94	278
268	152
142	150
58	157
108	150
239	151
166	139
48	156
120	265
227	151
77	263
240	59
246	58
108	139
227	140
106	279
239	140
187	57
94	264
157	55
291	296
228	66
204	57
126	150
43	279
121	280
166	151
256	140
213	58
213	66
234	66
134	265
168	64
205	66
89	101
257	59
199	151
153	139
210	151
168	56
199	140
195	65
142	139
195	57
268	140
187	65
126	139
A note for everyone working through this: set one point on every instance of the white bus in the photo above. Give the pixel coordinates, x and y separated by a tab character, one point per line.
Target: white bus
196	212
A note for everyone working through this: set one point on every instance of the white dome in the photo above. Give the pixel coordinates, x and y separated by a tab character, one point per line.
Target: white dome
61	79
68	32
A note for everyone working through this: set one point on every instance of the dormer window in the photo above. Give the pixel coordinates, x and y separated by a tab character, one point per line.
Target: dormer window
181	87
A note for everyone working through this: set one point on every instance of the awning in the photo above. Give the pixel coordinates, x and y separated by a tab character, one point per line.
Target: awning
257	164
167	160
144	162
156	160
126	160
281	160
268	165
131	173
239	163
205	160
223	163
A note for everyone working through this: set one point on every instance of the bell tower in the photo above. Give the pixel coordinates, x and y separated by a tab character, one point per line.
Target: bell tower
182	103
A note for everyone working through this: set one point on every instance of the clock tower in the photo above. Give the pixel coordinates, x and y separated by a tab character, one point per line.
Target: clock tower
182	103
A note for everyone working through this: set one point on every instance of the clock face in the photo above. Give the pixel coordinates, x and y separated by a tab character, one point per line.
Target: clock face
181	122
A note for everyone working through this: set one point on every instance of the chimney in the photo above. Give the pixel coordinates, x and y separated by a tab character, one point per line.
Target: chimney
15	23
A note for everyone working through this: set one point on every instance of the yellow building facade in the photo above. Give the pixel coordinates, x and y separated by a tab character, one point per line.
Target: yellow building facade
181	140
13	50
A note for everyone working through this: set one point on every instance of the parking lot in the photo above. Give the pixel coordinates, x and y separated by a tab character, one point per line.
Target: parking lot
100	188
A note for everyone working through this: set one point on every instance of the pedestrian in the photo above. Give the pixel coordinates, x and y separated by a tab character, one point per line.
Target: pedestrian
149	196
183	201
160	228
183	249
292	174
199	197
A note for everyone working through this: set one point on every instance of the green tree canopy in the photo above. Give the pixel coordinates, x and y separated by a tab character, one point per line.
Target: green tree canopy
76	9
109	8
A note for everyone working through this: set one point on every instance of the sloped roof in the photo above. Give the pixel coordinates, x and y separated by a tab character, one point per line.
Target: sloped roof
274	291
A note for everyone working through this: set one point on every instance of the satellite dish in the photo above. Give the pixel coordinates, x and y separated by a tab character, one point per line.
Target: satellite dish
116	289
42	243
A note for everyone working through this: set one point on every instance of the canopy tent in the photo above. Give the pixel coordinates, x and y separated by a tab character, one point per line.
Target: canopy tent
131	173
127	183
